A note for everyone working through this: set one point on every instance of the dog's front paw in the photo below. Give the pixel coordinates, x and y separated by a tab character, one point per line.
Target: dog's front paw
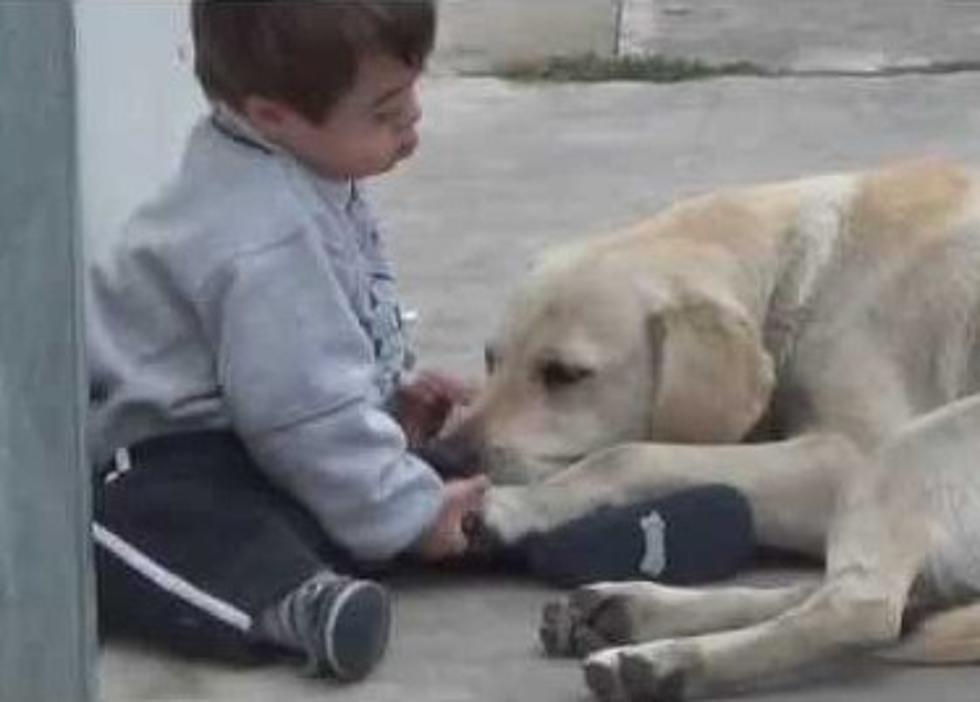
602	675
565	631
591	618
505	519
665	671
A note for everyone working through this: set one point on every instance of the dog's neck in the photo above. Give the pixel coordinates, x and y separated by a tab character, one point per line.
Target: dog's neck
809	246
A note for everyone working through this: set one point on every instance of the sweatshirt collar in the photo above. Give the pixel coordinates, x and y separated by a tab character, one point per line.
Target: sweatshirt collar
234	126
340	191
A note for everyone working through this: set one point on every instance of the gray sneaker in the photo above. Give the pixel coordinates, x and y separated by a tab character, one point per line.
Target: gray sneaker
341	624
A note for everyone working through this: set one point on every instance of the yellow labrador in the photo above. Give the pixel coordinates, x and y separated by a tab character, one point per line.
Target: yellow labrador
815	344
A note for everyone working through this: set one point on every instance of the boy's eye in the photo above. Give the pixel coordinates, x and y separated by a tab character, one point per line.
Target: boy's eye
386	117
391	115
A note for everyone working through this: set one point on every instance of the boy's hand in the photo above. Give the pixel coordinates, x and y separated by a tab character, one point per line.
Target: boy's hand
423	404
445	537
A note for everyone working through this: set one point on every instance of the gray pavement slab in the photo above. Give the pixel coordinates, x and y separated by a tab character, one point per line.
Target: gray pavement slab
472	640
506	170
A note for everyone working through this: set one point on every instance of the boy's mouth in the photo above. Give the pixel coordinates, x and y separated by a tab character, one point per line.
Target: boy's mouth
407	149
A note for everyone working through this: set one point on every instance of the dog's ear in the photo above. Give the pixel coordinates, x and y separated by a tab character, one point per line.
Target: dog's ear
714	378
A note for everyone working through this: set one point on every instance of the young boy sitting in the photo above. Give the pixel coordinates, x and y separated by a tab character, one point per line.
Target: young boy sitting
253	429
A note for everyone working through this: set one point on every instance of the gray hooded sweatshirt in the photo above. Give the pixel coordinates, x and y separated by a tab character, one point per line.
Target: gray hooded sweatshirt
254	295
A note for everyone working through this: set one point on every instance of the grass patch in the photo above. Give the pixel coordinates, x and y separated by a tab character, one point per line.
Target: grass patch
591	68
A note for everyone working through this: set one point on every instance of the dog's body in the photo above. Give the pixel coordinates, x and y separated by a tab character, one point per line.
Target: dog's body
813	343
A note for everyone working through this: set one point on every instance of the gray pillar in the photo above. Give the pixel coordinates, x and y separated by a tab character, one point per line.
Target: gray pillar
46	633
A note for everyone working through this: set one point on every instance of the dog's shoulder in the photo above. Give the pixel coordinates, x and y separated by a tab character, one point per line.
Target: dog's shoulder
911	200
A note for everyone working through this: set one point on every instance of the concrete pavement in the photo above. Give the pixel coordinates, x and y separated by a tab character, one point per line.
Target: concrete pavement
505	170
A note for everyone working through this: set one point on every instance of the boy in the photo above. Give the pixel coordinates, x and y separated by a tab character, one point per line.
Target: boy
248	409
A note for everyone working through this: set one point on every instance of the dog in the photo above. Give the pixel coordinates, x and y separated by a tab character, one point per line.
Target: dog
813	343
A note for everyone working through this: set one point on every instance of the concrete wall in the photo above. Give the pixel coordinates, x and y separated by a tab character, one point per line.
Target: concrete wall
46	633
137	100
479	35
810	35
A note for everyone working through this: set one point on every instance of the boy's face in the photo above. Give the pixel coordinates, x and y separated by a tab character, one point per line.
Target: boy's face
365	133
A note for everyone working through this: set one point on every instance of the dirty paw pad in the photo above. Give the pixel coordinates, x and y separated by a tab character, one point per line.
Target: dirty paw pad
565	632
651	680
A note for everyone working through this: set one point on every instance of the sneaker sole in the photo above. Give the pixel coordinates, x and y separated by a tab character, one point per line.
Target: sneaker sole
356	632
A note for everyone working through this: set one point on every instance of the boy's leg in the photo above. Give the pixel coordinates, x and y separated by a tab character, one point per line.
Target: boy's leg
195	548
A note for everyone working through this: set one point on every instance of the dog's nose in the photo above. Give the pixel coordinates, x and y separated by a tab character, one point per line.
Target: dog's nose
453	456
481	539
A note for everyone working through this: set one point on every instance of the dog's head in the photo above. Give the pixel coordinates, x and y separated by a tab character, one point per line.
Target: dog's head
596	349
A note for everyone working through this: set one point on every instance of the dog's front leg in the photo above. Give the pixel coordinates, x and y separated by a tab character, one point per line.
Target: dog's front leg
791	486
880	539
854	611
607	614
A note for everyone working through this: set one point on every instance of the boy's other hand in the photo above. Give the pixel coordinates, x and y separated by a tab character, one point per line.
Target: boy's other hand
423	404
445	538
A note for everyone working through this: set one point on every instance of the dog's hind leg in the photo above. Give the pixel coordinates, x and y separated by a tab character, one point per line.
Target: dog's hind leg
946	638
949	442
612	614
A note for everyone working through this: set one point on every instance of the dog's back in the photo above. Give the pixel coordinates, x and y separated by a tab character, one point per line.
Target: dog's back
882	328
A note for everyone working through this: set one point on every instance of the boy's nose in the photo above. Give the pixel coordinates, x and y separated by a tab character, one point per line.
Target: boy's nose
413	111
413	114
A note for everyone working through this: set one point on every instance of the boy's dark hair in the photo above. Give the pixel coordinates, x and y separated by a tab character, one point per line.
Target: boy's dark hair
303	52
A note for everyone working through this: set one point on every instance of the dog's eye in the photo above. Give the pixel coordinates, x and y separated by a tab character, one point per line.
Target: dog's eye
490	358
555	374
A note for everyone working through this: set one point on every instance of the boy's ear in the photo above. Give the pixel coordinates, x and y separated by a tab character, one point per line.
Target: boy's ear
271	117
